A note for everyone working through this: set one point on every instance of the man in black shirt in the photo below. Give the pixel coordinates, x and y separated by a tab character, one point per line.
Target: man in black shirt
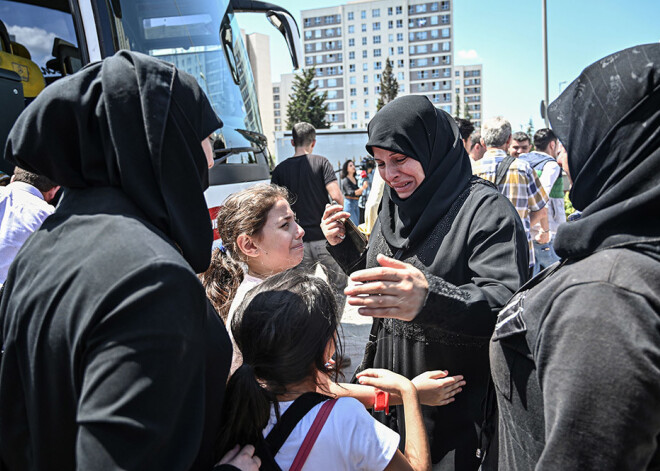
310	179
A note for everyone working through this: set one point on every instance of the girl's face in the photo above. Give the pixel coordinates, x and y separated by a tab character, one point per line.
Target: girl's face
351	168
279	241
402	173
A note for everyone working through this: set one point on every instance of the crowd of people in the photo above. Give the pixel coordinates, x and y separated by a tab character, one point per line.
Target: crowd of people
503	336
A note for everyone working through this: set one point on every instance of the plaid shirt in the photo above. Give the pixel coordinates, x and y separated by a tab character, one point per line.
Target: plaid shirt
521	186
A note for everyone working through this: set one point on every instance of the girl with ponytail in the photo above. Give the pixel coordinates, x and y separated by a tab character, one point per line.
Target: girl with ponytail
286	329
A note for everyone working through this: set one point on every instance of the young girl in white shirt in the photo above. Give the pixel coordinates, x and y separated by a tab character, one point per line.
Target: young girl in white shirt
286	329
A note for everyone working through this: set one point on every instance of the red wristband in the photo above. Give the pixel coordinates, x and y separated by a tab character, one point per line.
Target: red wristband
382	401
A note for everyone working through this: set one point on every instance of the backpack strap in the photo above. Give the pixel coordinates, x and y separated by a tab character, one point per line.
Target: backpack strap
502	169
312	435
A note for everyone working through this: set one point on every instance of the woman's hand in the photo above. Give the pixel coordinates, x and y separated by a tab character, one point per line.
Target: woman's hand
385	380
395	289
332	223
242	458
436	389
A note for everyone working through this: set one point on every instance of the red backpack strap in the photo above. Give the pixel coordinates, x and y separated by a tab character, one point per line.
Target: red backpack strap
312	435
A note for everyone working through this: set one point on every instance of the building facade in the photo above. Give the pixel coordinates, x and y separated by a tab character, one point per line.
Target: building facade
281	92
468	90
349	44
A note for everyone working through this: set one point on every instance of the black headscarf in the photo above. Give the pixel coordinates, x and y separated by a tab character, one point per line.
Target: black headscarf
412	126
609	121
132	122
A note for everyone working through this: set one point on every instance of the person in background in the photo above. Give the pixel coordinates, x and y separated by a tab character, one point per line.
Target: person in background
311	183
112	357
515	179
24	205
366	175
445	255
466	128
520	144
351	190
4	179
477	149
575	355
543	162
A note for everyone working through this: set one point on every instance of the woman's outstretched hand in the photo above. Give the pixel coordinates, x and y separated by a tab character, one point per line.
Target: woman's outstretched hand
385	380
435	388
332	223
395	289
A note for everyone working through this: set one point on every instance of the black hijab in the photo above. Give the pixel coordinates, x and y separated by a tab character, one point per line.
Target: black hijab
412	126
131	122
609	121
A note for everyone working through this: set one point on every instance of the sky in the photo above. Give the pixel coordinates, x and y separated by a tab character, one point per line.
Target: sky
506	37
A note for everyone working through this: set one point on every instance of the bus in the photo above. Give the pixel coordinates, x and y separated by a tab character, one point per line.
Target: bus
44	40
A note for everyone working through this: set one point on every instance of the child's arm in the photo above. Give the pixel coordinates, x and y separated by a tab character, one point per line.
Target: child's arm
433	387
417	453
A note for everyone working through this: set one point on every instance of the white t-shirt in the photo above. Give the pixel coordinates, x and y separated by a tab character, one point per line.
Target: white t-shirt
246	285
350	439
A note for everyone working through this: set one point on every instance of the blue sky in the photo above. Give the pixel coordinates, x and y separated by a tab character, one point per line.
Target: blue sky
506	37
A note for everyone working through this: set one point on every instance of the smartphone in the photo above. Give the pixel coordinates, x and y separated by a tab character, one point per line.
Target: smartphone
354	233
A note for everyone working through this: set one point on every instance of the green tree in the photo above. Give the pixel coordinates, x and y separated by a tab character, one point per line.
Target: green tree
389	87
530	128
457	114
305	103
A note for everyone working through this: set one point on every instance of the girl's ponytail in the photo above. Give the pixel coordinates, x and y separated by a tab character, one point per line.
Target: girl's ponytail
221	281
246	411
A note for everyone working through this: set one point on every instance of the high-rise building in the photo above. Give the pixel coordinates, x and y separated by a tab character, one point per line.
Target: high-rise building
349	44
468	89
281	92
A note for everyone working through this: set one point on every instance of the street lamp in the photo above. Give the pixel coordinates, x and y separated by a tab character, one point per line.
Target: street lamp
544	106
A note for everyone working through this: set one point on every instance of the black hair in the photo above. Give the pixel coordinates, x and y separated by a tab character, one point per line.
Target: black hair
282	329
40	182
543	137
303	134
520	136
344	169
465	126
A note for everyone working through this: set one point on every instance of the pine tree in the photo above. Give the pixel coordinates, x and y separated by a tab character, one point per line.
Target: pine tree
305	103
530	128
389	86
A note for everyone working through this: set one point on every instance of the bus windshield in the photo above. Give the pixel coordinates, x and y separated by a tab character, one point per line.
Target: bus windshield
202	38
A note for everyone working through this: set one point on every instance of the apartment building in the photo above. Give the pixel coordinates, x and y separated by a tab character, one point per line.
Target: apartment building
281	92
349	44
468	89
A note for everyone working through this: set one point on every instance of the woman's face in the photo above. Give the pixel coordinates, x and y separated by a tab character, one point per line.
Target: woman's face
402	173
279	241
208	151
350	168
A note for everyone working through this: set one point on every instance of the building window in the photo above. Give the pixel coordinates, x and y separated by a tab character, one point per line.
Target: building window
399	36
389	11
377	78
351	16
309	60
364	27
332	82
351	42
400	76
332	94
444	5
445	32
364	54
365	78
351	29
376	26
399	10
354	115
308	22
276	106
390	24
353	104
376	39
399	23
390	38
363	14
376	52
277	113
351	55
400	63
351	67
365	66
351	80
353	92
366	102
378	65
276	89
365	91
434	6
276	97
308	34
317	20
366	115
399	50
278	120
375	13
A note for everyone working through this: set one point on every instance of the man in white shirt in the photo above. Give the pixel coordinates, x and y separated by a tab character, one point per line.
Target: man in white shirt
23	208
543	161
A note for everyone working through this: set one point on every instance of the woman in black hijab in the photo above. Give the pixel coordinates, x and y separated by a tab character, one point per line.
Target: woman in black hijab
446	253
576	353
112	356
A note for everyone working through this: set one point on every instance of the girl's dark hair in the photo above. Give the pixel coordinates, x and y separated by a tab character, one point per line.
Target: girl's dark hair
344	169
244	212
282	328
